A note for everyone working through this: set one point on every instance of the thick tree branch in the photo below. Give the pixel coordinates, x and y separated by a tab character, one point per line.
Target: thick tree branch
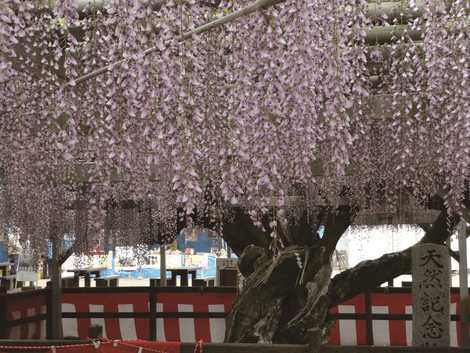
424	226
336	224
367	275
371	274
65	255
240	232
455	255
238	229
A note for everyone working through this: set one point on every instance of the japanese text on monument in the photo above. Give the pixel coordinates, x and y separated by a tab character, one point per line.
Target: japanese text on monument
430	295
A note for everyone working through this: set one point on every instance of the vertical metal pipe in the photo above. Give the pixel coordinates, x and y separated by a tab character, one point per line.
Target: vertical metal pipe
449	245
369	328
55	300
163	265
463	281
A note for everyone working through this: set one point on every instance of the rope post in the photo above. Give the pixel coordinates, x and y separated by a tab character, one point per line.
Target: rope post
198	347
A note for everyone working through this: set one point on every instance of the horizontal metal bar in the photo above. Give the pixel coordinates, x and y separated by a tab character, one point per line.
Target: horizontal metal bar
383	317
40	342
247	348
376	11
180	315
195	290
35	292
144	315
389	349
382	35
25	320
403	290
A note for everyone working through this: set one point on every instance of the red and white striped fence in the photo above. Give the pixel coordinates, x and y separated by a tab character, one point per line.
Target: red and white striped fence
184	329
29	308
182	314
388	320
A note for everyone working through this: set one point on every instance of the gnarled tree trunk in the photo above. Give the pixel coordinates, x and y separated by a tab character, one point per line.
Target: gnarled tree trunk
286	298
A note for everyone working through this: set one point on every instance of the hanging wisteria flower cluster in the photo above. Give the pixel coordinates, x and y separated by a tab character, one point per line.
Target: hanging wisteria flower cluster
302	95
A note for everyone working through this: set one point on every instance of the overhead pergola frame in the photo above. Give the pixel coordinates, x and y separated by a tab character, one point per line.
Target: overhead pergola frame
390	11
377	11
376	39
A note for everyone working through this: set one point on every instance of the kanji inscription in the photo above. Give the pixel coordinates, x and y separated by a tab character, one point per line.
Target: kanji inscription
431	295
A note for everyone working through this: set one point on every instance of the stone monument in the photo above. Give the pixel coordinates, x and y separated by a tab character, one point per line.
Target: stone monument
431	295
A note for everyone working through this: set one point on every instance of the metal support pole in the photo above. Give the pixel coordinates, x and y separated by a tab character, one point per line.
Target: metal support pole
162	265
113	259
369	327
449	245
463	281
55	298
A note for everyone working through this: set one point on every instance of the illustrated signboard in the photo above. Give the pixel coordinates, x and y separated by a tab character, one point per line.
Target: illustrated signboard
200	240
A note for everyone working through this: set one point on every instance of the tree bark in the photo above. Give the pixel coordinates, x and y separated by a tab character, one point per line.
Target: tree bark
241	224
284	297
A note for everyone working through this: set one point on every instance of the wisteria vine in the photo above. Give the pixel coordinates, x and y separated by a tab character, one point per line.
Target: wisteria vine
295	97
